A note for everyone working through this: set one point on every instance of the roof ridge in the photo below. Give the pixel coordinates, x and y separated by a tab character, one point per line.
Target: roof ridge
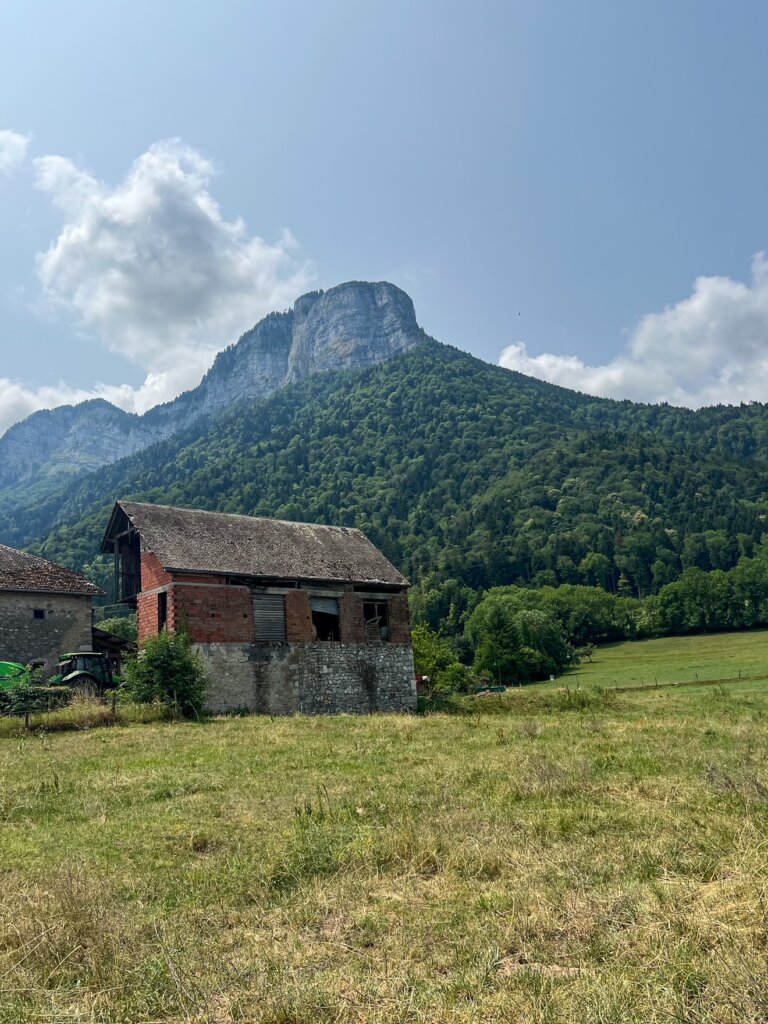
241	515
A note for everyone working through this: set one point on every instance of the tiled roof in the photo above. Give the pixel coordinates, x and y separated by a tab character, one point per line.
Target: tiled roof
217	542
21	571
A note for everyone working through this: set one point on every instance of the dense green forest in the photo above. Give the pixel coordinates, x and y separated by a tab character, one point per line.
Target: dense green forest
467	475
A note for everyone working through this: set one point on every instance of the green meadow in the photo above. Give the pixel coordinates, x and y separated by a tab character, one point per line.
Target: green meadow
680	659
541	857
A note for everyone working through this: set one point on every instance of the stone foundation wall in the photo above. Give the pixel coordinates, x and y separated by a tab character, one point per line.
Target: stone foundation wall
231	677
310	678
65	626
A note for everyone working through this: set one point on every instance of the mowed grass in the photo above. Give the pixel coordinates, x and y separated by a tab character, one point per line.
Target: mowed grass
674	659
545	860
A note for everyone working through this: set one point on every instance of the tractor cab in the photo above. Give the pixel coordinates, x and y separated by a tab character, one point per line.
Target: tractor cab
90	672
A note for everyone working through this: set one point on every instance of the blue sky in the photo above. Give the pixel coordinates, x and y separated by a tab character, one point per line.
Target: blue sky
577	189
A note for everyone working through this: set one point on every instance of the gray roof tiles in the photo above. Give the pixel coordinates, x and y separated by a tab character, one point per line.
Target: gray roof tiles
22	571
218	542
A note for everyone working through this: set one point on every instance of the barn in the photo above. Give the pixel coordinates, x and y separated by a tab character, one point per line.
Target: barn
44	609
290	617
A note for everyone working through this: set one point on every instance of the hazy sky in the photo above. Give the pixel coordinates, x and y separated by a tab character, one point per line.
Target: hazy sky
575	189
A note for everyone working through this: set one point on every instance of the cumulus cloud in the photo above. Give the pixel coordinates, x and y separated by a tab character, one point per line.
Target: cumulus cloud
710	348
13	149
18	401
153	270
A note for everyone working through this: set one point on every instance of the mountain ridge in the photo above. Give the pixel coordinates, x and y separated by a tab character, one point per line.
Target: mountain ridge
465	474
351	325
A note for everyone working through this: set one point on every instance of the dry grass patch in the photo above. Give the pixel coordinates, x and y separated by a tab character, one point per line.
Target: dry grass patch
543	861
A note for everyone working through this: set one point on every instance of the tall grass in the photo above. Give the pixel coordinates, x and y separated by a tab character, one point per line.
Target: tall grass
537	860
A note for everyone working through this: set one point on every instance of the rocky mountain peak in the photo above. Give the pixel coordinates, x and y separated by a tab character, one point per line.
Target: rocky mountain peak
350	326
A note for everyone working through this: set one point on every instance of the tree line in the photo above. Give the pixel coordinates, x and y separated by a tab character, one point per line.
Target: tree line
513	635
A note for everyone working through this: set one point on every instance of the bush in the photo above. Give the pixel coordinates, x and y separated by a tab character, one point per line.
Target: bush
167	671
27	698
456	678
124	627
436	658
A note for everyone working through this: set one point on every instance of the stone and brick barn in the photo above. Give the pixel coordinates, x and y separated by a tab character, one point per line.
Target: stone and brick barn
290	617
45	609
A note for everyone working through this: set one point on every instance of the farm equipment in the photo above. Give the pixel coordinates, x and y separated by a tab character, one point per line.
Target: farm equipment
88	672
12	674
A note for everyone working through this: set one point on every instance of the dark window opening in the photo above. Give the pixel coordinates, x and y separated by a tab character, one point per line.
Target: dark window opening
376	619
38	613
162	611
127	567
325	618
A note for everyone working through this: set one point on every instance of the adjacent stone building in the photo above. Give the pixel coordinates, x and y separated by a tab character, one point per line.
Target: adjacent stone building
290	617
45	609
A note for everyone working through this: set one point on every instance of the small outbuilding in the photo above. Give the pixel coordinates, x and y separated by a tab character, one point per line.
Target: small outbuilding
44	609
290	617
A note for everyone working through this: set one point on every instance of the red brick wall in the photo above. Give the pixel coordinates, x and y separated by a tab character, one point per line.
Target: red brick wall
351	616
298	617
399	619
212	614
146	616
152	573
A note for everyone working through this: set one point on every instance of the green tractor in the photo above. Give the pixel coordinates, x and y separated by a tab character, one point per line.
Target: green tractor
88	672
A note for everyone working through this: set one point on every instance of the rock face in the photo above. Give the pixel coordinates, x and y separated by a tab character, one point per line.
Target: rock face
351	326
354	325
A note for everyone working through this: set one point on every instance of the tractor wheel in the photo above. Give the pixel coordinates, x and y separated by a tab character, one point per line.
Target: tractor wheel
85	686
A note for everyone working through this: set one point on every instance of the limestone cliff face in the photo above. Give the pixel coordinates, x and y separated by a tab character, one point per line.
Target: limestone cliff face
351	326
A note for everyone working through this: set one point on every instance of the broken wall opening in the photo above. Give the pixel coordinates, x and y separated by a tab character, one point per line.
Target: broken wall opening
376	621
326	618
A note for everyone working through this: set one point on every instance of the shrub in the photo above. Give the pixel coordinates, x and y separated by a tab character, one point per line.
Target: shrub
167	671
436	658
456	678
124	627
28	698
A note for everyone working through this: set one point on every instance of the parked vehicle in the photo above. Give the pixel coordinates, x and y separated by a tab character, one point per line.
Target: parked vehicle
88	672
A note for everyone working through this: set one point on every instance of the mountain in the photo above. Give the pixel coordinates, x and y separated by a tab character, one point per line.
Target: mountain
465	474
353	325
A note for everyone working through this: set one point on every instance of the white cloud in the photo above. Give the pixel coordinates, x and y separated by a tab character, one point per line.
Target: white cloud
18	402
13	150
152	270
710	348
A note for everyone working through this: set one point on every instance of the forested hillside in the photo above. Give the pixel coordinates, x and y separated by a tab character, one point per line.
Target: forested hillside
467	475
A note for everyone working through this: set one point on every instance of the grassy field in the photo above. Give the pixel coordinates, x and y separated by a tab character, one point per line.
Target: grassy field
675	659
552	858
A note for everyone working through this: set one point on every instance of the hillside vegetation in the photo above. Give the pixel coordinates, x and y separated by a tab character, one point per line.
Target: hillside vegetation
466	475
540	860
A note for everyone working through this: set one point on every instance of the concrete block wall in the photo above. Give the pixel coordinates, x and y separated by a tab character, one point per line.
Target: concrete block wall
66	626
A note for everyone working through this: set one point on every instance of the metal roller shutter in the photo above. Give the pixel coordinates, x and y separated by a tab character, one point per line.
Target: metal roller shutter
269	618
